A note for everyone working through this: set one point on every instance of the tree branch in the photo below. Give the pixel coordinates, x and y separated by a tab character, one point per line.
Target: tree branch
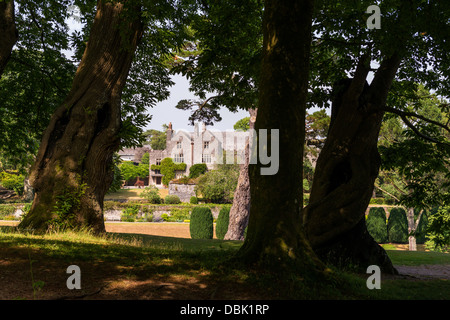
420	134
418	116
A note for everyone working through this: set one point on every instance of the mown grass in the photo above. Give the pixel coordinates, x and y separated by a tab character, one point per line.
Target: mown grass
146	255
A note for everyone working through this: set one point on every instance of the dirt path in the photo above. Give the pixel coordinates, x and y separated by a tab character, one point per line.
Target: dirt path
426	272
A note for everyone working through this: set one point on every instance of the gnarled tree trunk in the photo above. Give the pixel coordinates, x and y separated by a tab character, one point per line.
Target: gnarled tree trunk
240	210
275	238
346	171
73	169
8	32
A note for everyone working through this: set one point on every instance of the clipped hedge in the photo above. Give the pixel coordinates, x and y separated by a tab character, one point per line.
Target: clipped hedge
397	226
222	222
376	224
201	225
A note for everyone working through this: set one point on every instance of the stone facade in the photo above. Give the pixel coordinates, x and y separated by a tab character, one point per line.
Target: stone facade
200	146
183	191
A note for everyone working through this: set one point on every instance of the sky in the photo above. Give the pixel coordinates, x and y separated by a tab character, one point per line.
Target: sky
165	111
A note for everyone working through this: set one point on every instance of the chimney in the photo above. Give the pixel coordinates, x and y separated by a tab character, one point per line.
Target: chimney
169	132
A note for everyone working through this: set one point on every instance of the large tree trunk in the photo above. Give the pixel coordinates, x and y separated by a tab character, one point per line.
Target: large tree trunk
346	171
73	169
275	238
8	32
240	210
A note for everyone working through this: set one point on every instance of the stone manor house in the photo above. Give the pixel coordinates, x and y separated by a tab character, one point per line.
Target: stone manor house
200	146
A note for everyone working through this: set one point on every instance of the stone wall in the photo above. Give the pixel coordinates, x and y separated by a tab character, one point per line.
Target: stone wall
183	191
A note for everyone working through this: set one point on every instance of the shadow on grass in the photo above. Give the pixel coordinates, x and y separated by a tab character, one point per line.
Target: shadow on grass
136	266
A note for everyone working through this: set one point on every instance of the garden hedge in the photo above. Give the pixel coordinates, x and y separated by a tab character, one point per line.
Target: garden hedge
201	225
376	224
397	226
222	222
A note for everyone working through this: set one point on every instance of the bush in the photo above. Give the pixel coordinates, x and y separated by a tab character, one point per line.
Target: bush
151	194
172	199
421	230
197	169
13	182
397	226
193	200
201	224
222	222
376	224
218	186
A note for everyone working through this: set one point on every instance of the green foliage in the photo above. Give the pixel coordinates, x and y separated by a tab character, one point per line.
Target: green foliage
218	185
66	206
438	230
12	181
168	168
129	170
397	226
421	230
222	222
130	213
118	177
151	194
156	139
193	200
242	124
172	199
376	224
197	169
201	223
6	210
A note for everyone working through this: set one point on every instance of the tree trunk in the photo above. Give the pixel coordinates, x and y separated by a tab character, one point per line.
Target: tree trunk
346	171
73	169
8	32
275	238
412	227
240	210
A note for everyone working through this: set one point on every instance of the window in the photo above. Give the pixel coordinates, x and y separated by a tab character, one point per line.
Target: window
205	144
178	158
206	158
179	145
158	162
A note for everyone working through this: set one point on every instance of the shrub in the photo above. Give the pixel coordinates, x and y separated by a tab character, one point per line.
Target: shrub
172	199
222	222
193	200
201	224
376	224
151	194
397	226
6	210
197	169
421	230
13	182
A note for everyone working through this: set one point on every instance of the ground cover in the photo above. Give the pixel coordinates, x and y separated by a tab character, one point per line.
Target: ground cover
143	266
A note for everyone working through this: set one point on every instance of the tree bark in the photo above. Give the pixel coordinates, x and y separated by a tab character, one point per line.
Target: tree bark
412	227
8	31
275	239
73	169
240	210
346	171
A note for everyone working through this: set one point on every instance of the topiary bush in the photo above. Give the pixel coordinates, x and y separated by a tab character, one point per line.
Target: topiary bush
172	199
222	222
397	226
376	224
421	230
193	200
201	223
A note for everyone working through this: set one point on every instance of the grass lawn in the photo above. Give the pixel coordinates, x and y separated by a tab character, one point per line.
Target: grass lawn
132	194
139	266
